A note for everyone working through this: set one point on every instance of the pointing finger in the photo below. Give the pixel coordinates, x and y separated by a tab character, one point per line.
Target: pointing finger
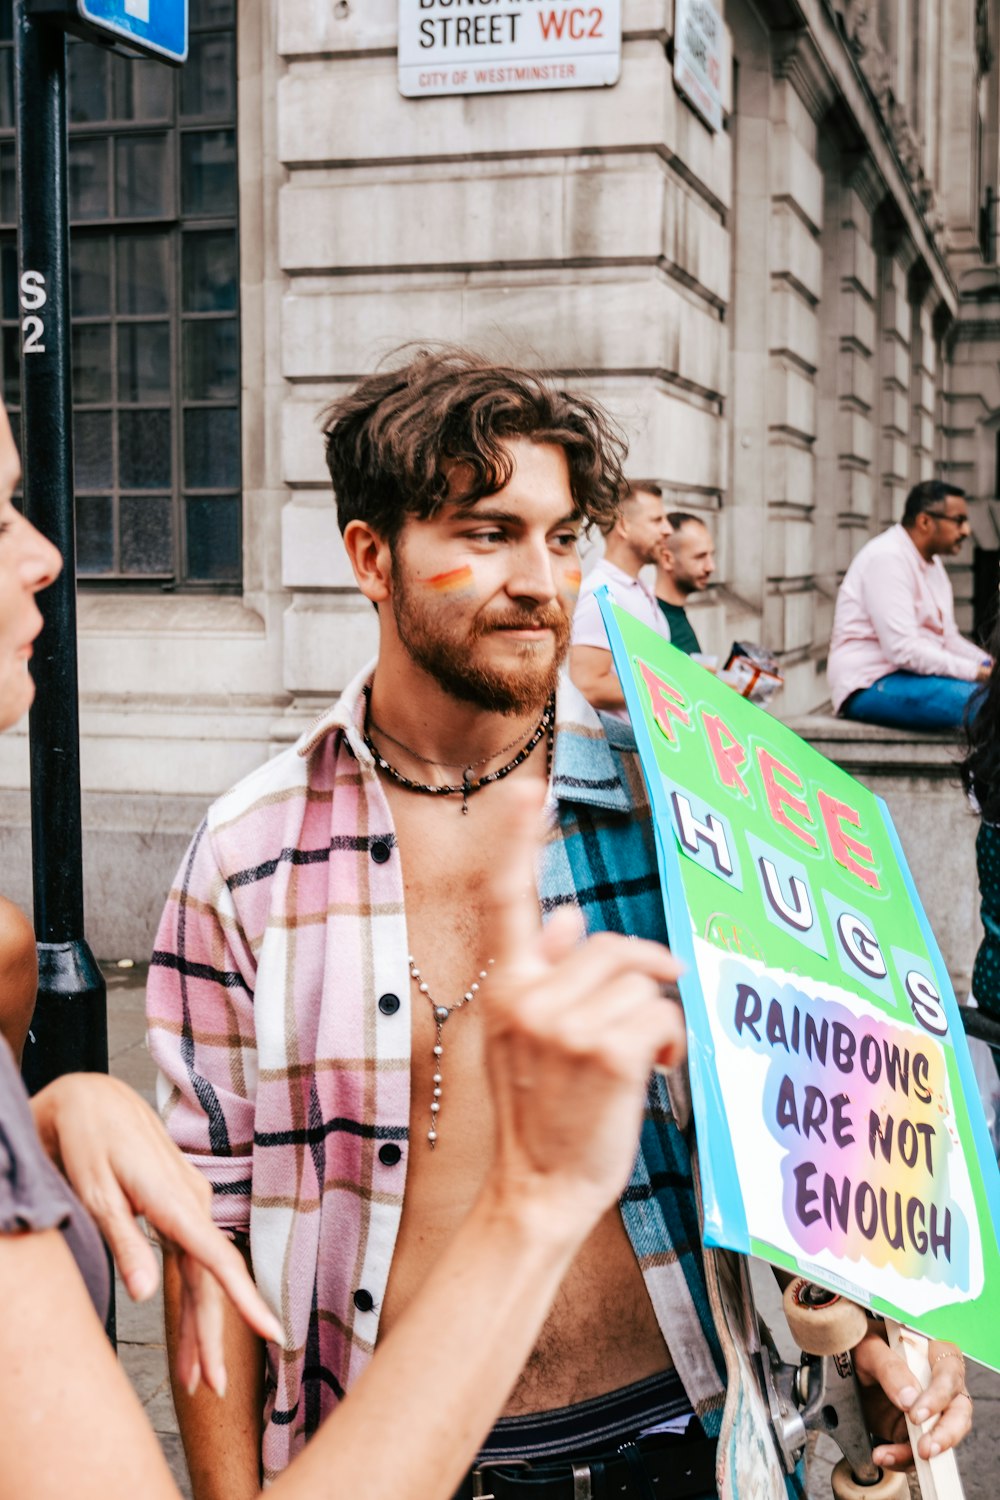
516	920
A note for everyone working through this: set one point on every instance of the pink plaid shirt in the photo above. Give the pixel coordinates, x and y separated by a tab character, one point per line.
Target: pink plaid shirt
311	931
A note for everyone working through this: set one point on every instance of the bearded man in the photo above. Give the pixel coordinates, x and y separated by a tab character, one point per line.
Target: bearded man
312	1000
684	566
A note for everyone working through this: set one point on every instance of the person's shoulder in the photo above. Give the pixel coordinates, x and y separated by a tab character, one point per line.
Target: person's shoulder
887	542
597	758
619	733
883	551
257	816
595	578
622	744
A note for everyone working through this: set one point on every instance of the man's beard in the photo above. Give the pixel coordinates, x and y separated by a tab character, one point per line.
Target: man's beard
451	658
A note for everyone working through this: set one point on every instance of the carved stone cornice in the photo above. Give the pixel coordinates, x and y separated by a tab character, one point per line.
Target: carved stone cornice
861	27
863	177
796	57
984	49
920	286
859	19
906	143
904	251
931	209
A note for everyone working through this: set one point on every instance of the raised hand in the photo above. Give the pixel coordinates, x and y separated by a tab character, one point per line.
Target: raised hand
574	1026
120	1162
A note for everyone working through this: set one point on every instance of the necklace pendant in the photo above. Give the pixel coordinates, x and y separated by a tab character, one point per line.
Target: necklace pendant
440	1016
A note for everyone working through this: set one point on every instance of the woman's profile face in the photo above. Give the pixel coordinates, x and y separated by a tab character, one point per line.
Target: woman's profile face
27	563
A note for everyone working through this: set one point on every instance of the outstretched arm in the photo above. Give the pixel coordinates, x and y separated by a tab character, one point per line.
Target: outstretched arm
573	1029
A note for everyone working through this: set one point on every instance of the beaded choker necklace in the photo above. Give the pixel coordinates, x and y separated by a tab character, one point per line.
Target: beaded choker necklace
469	784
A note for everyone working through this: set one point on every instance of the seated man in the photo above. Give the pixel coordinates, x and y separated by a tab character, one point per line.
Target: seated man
313	997
896	655
632	539
684	566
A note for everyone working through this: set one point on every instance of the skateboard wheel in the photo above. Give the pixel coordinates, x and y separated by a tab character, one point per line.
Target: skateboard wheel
822	1322
890	1487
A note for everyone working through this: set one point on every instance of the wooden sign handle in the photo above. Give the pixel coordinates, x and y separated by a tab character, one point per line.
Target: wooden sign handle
938	1477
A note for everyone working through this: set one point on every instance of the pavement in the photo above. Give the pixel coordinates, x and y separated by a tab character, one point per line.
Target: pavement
140	1327
140	1324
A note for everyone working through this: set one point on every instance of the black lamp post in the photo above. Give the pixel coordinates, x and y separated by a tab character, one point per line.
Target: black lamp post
69	1030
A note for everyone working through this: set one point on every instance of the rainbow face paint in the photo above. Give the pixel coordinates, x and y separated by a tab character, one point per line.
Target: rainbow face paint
455	581
572	579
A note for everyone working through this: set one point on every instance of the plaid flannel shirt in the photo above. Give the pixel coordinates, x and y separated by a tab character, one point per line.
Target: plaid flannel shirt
279	1018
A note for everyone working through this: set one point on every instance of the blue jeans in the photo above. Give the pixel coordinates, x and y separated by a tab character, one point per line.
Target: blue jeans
905	700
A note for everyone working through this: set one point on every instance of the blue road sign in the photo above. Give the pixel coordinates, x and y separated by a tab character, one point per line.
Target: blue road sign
156	26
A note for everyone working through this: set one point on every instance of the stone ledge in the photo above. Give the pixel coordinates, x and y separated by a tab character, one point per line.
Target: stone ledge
870	749
166	614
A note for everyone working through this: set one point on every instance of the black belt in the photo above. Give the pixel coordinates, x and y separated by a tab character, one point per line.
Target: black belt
662	1467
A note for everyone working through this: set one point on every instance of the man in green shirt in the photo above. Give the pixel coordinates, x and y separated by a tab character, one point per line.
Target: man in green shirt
686	563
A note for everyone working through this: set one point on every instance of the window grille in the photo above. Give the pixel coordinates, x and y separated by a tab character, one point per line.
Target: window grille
154	262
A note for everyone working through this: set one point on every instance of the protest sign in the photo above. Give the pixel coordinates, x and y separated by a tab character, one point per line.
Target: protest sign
839	1126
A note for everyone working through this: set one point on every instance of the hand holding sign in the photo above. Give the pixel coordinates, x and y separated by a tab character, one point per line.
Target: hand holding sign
892	1395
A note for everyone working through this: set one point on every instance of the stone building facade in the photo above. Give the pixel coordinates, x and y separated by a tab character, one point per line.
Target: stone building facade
794	319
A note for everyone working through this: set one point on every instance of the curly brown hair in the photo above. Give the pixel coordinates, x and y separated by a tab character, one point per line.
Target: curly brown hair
391	442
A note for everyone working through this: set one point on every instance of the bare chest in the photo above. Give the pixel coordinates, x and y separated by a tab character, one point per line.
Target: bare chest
448	865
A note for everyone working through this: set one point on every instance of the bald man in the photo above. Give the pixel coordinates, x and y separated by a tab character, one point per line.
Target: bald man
684	566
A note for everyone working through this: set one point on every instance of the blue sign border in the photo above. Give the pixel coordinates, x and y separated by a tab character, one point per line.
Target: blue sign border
160	40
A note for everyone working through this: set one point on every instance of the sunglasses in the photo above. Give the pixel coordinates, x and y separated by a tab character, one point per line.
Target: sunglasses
939	515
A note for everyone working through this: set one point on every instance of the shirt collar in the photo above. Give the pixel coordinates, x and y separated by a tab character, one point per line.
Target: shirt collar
619	575
921	559
584	769
347	715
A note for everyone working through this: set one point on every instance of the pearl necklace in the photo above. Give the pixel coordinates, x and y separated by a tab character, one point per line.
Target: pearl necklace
441	1014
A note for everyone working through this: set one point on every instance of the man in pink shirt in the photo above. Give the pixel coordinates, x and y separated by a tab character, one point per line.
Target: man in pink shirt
896	655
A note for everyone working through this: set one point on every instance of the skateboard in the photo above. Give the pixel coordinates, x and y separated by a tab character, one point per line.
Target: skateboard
819	1392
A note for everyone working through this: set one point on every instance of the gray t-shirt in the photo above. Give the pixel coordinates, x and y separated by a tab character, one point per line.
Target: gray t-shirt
34	1196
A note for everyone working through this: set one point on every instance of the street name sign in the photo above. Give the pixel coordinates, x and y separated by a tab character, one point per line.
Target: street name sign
156	28
699	56
504	46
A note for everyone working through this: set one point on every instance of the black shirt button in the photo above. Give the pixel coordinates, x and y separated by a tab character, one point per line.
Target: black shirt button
388	1004
380	851
389	1154
363	1301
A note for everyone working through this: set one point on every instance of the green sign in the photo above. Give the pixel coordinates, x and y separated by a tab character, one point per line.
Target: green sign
839	1125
